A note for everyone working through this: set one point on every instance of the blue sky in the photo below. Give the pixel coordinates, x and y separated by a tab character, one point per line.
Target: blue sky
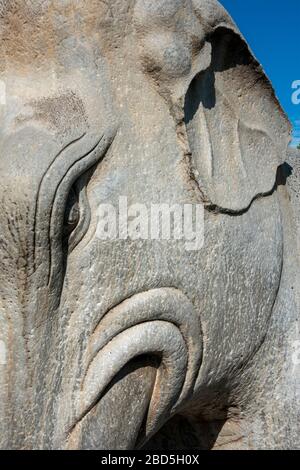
272	28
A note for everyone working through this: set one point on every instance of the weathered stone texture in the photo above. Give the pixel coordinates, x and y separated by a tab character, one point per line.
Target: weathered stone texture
124	343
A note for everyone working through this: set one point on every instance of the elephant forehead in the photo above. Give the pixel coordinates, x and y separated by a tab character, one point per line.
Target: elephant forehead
34	135
33	30
38	32
185	22
166	11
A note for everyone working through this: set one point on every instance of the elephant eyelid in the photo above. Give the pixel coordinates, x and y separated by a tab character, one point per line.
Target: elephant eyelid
82	162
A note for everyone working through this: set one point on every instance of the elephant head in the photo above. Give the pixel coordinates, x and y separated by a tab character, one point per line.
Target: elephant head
160	101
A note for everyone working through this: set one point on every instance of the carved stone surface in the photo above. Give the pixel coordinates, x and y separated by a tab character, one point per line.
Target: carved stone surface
128	343
293	174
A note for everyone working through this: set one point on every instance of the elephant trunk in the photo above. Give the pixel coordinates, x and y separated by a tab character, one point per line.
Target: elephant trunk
144	357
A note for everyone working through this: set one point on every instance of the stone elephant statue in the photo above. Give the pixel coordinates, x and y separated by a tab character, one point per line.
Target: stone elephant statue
139	342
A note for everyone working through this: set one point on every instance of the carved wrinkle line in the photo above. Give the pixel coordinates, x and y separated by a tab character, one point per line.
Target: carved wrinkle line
148	338
62	180
123	329
61	152
165	303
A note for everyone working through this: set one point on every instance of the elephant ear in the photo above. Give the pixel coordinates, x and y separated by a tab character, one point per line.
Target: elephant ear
237	131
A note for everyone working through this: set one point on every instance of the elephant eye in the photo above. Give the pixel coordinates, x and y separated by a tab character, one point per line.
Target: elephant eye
72	213
77	214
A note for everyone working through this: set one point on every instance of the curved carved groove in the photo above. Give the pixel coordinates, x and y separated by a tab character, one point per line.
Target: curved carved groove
41	187
164	304
157	338
68	166
158	322
81	165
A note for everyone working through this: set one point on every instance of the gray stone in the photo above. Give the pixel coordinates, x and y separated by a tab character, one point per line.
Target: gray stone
129	343
292	172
